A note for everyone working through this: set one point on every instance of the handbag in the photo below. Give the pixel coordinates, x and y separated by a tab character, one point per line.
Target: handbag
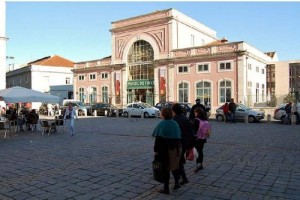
158	173
189	154
68	116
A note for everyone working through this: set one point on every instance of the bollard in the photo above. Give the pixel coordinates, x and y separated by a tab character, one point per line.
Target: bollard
95	113
246	118
76	111
224	118
85	112
105	113
59	112
268	118
293	120
117	113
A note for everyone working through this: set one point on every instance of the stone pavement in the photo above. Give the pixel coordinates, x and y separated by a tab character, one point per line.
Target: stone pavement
110	158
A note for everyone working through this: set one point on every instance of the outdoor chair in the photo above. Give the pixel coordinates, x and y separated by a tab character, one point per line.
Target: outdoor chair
4	126
45	127
33	125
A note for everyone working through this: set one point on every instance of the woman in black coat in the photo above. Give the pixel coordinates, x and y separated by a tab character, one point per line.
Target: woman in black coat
187	141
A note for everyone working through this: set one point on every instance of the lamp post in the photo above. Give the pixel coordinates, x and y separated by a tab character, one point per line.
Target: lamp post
11	64
247	100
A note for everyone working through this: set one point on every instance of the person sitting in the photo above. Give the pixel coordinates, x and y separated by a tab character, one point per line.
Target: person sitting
14	117
32	119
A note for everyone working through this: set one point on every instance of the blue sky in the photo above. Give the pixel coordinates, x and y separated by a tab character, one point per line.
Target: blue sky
79	31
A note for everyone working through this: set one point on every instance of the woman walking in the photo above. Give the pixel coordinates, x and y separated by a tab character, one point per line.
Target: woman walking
167	147
187	141
200	118
70	114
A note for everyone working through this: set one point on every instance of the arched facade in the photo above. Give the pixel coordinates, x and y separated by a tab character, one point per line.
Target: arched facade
167	56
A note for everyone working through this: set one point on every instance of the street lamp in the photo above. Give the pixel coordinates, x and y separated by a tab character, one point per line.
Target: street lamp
247	98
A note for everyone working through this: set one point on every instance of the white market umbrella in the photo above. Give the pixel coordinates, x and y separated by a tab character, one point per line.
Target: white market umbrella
21	95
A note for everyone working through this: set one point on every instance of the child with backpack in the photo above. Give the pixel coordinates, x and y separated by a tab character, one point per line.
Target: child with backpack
202	128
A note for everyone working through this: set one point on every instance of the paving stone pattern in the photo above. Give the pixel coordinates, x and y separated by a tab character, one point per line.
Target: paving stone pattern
110	158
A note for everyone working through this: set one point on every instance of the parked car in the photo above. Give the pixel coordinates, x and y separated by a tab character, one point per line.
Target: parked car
241	111
279	112
186	107
140	109
78	105
106	109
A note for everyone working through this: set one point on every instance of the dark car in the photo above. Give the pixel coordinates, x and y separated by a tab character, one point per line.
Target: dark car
186	107
106	109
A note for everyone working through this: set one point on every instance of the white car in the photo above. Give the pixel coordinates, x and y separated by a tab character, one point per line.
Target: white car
140	109
279	113
241	111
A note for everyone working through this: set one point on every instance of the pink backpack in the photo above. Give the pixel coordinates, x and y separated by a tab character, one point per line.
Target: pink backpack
204	130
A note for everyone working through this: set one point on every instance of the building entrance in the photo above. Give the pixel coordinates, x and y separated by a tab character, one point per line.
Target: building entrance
140	84
142	95
140	90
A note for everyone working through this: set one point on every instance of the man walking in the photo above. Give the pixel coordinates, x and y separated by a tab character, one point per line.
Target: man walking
288	110
232	108
197	105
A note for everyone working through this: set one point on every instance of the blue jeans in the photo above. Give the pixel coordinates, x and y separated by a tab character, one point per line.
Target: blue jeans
72	129
232	117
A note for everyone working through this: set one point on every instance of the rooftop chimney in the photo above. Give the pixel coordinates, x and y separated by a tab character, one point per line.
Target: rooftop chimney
224	40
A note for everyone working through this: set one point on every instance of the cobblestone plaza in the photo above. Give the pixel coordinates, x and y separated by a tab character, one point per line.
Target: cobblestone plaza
110	158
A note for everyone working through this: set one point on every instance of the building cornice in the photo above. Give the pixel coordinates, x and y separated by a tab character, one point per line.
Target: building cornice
141	24
196	58
18	71
95	68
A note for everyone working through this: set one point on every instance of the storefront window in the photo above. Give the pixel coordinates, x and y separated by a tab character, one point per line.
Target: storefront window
183	90
81	94
105	94
225	91
203	90
93	95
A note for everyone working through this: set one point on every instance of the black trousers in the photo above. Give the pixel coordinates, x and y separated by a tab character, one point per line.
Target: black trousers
199	147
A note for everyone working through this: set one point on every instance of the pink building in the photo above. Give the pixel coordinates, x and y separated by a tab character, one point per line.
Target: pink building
168	56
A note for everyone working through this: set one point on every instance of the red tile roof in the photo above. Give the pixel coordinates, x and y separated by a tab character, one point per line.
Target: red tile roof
53	61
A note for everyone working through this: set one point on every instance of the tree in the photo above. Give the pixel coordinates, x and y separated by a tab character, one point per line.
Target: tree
273	101
289	98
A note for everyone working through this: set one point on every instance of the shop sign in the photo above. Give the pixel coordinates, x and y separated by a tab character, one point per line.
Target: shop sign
140	84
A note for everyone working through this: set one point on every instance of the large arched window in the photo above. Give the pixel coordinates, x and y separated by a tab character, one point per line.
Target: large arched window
183	91
93	95
105	94
81	94
225	91
203	91
140	57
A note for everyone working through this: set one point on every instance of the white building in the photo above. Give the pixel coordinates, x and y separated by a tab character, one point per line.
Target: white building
41	74
2	45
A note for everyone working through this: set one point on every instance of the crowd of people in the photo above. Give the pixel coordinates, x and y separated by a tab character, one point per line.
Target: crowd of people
174	136
25	117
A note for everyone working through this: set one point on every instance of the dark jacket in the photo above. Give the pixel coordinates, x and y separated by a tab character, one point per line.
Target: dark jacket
288	108
187	132
197	105
162	146
232	107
